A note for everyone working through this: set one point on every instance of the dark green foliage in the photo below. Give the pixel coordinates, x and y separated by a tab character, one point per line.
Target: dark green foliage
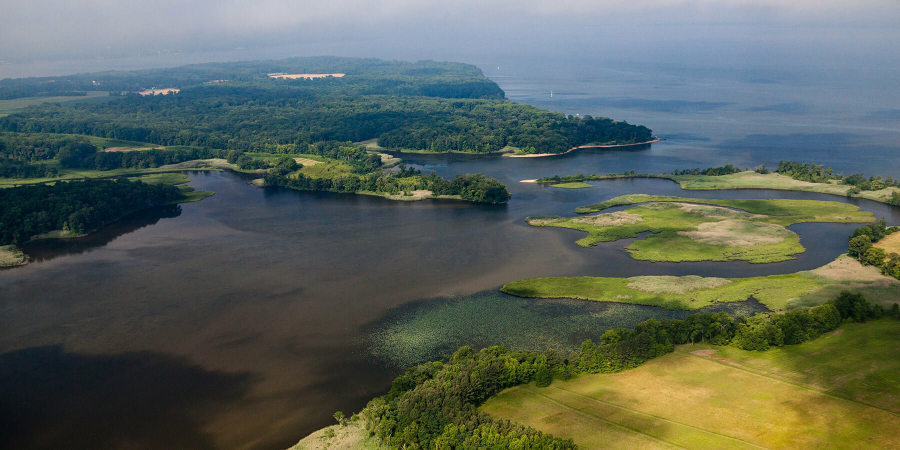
895	199
875	230
859	246
727	169
79	207
21	155
423	106
761	169
854	307
815	173
472	187
775	330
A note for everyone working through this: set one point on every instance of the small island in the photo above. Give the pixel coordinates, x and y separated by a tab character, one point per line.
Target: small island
690	229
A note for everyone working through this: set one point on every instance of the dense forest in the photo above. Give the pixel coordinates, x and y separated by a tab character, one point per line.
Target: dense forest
817	173
435	405
862	249
79	207
422	106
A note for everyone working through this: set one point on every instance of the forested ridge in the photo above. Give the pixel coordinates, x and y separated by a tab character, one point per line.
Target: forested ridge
78	207
421	106
435	405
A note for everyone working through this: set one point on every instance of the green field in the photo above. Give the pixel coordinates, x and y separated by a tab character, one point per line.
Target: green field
687	229
575	185
839	391
16	105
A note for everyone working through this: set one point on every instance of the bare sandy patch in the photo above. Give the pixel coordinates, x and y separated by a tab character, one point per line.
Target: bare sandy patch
674	285
159	91
737	233
846	268
890	243
528	181
420	194
308	76
541	221
613	219
716	211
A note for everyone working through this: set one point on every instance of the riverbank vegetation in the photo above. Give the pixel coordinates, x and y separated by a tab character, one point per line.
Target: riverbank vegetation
428	106
844	381
789	176
686	229
777	292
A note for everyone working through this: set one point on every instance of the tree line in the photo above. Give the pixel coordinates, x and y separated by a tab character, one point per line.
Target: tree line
472	187
861	248
817	173
435	405
79	207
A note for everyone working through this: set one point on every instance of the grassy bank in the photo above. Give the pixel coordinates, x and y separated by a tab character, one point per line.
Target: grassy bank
747	180
575	185
687	229
839	391
352	436
777	292
12	256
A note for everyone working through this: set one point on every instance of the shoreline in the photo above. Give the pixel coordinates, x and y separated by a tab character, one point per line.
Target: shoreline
541	155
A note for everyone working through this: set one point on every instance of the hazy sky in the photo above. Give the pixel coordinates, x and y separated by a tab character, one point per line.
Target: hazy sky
714	30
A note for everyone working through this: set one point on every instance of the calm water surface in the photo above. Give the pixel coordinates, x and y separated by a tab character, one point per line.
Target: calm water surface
245	320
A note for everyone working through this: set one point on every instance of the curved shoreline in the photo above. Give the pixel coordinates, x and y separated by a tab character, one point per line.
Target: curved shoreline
541	155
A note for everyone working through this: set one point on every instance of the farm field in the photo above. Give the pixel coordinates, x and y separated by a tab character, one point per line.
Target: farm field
839	391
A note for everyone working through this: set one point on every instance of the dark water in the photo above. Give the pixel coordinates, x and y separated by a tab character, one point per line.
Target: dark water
245	320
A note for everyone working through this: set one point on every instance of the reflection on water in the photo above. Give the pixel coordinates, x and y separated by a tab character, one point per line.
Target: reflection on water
47	249
50	398
433	329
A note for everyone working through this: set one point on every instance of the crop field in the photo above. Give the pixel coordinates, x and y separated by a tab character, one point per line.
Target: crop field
839	391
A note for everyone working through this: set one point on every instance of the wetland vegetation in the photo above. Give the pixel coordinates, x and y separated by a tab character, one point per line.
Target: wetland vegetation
689	229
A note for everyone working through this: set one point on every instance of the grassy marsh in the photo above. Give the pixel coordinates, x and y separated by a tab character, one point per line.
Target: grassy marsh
574	185
777	292
687	229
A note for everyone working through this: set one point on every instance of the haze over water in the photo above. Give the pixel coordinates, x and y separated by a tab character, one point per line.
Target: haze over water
246	320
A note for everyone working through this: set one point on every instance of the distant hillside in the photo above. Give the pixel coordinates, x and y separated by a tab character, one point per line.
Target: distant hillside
424	106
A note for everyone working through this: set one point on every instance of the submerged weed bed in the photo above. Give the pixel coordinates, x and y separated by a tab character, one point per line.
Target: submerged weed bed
433	329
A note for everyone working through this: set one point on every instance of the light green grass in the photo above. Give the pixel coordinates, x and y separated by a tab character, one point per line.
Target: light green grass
12	256
774	291
753	180
681	232
839	391
349	437
575	185
16	105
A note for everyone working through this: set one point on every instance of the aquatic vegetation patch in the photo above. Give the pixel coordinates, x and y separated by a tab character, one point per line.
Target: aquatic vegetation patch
433	329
